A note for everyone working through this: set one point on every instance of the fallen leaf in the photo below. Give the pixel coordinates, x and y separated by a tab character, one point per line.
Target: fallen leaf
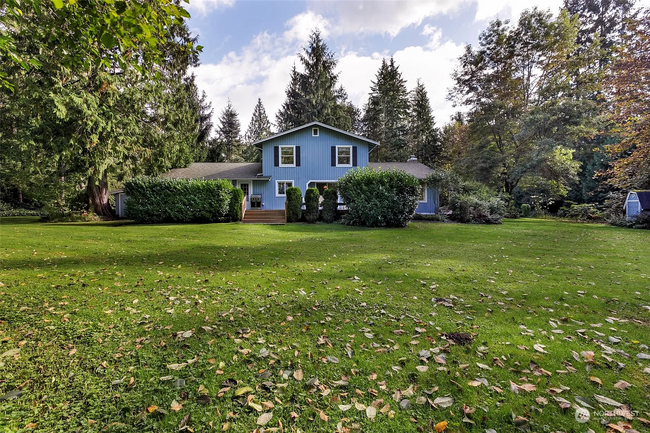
264	418
322	416
606	400
152	408
298	375
244	390
371	412
596	380
621	384
443	402
441	426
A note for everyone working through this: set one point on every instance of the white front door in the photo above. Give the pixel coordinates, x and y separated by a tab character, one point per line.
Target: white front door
246	187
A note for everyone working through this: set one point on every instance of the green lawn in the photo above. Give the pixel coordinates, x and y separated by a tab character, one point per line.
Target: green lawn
321	325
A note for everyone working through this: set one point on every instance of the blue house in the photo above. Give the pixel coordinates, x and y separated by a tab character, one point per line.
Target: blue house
637	203
314	155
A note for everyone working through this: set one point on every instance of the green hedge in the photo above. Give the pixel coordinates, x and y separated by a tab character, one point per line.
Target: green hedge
235	204
294	204
379	198
153	200
330	204
312	199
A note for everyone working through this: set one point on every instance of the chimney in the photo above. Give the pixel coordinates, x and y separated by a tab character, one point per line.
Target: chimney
412	159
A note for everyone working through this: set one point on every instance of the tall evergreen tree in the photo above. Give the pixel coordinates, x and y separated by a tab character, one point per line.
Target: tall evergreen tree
424	137
314	95
258	128
386	114
228	145
603	19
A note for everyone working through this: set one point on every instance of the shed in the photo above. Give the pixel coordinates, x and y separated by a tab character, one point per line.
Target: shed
637	203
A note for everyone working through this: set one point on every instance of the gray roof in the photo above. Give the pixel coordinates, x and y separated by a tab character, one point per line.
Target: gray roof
319	124
644	199
217	170
414	168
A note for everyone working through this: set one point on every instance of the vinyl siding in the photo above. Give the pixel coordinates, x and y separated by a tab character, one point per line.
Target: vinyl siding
315	162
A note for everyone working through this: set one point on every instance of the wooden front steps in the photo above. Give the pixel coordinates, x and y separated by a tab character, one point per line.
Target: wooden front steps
264	217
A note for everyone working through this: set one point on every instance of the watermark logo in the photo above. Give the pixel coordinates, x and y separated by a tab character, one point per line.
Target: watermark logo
582	415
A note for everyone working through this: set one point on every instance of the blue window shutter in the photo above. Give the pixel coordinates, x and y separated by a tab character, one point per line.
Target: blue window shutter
276	156
333	156
354	156
297	156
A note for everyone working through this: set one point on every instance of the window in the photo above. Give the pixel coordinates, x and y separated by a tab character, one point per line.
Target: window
314	132
287	156
281	187
344	156
423	192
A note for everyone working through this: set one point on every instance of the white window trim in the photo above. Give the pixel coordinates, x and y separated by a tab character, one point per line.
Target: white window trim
337	156
280	157
276	186
426	197
315	132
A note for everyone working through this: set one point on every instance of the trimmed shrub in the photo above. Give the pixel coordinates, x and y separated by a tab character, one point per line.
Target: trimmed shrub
525	210
474	209
294	204
235	204
330	205
312	198
154	200
379	198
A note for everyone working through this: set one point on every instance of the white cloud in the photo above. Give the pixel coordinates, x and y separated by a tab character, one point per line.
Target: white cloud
301	26
205	6
259	70
383	16
511	9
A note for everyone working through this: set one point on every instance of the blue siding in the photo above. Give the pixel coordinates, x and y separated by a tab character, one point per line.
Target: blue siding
428	207
315	162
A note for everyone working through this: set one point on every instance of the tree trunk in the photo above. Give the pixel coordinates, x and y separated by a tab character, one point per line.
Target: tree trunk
98	194
20	195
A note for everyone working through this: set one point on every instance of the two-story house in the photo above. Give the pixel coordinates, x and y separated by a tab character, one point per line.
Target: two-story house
314	155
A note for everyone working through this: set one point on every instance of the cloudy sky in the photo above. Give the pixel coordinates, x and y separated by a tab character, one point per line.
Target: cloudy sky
250	46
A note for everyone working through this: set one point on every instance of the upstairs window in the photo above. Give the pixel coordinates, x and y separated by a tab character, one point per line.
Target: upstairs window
314	132
287	156
344	156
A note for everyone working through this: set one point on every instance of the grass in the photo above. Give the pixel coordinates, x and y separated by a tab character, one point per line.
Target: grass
93	321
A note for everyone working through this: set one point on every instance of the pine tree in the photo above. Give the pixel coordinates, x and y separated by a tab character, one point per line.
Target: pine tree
314	95
258	128
424	140
228	141
387	113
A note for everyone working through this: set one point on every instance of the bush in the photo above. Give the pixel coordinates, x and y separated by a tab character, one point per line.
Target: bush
330	205
312	199
474	209
641	221
6	210
294	204
154	200
525	210
582	212
379	198
235	204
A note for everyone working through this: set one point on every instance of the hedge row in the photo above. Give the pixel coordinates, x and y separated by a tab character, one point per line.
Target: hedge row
154	200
